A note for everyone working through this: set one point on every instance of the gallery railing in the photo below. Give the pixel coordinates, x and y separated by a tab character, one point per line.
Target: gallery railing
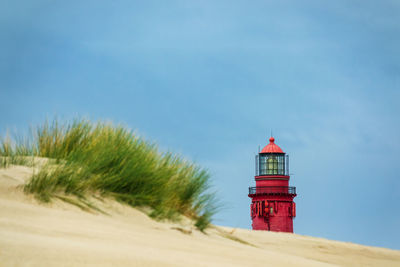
272	190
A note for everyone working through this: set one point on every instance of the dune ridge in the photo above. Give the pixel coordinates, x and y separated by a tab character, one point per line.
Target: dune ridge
86	158
59	234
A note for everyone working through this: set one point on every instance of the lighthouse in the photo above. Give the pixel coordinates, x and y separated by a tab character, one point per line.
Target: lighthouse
272	207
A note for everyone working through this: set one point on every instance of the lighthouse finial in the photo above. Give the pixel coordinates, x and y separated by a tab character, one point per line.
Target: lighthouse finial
271	139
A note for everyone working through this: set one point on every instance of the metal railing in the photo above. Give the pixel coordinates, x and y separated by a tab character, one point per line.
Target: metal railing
272	190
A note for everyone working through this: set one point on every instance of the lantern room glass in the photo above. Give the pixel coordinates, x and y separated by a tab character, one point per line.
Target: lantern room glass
272	164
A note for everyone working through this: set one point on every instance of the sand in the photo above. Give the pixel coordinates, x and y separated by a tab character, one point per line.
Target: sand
60	234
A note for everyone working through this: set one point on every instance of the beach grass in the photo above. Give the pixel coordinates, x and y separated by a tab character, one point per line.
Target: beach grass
100	158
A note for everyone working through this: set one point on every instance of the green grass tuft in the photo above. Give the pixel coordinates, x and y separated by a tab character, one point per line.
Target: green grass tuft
99	158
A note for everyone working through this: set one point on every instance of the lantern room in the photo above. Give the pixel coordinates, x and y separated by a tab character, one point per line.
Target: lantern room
272	160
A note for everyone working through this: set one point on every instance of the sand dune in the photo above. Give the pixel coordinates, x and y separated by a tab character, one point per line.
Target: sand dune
60	234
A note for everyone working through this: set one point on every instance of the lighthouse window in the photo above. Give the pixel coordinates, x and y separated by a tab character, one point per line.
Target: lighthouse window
271	164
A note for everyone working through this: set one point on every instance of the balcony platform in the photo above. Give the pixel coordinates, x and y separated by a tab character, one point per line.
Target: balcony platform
273	190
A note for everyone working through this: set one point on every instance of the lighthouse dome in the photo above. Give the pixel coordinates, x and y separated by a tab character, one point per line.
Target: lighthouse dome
272	147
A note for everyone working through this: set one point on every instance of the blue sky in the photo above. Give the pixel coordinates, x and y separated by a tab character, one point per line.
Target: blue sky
211	79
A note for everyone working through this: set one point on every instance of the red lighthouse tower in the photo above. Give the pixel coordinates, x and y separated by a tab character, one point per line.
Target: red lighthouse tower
272	206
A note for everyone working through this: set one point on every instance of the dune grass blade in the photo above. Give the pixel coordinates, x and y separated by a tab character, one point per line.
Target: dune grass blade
111	160
17	153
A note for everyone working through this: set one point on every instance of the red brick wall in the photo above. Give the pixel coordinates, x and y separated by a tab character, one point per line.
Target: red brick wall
280	220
